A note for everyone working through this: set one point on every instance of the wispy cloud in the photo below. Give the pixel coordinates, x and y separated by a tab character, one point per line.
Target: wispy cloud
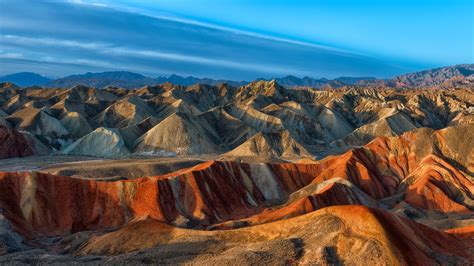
11	55
210	25
111	49
23	40
84	2
111	38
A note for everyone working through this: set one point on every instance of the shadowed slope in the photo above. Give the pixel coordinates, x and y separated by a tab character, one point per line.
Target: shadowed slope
349	234
219	191
204	119
415	170
13	144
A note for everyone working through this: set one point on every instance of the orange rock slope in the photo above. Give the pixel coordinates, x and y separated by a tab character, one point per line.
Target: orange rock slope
355	234
423	169
208	193
215	192
465	231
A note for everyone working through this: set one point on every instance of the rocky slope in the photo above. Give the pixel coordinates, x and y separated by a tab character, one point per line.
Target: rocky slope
422	175
260	119
346	234
264	174
13	144
434	77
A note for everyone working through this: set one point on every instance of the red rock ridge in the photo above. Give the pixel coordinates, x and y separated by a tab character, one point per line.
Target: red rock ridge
215	192
220	191
13	144
400	241
465	231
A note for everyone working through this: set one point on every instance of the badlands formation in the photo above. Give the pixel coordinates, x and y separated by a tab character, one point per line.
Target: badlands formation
257	174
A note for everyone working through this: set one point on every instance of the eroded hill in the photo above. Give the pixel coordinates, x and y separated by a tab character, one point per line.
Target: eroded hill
255	174
261	119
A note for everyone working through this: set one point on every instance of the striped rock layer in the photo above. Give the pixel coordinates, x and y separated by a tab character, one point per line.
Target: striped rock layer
216	192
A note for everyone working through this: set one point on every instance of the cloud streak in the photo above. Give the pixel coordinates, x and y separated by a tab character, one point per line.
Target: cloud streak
11	55
210	25
109	49
129	40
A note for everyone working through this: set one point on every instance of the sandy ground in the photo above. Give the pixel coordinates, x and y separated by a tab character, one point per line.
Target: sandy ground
99	168
117	168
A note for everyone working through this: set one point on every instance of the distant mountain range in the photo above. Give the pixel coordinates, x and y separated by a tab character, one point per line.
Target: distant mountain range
433	77
132	80
100	80
26	79
175	79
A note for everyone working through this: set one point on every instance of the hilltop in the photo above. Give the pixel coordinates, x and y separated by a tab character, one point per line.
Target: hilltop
238	174
432	77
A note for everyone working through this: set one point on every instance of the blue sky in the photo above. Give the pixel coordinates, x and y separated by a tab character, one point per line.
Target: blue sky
235	39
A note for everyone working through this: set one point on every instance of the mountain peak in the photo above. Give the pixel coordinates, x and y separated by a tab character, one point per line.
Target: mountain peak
131	80
25	79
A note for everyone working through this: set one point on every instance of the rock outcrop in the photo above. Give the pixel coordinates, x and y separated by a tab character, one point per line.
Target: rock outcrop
13	144
179	134
420	170
265	174
375	237
205	119
102	142
218	191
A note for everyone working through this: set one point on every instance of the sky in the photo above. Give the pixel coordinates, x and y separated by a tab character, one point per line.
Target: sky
235	39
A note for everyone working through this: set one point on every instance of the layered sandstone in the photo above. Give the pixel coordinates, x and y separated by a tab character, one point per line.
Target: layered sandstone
216	192
13	144
245	121
390	158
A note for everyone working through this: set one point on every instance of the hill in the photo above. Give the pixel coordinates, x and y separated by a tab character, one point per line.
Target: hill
460	74
259	173
261	119
389	189
433	77
25	79
100	80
